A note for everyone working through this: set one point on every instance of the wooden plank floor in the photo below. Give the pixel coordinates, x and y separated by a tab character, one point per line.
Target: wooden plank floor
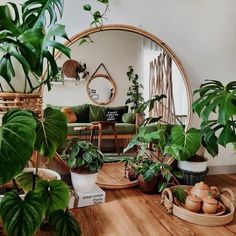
128	212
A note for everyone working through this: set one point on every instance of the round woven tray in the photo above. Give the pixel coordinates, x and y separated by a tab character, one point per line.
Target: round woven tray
198	218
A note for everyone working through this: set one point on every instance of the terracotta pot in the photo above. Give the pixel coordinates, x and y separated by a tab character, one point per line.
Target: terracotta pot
193	203
209	205
148	187
202	190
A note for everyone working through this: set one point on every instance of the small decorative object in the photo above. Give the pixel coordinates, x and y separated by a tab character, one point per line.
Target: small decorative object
210	205
101	88
59	77
74	69
193	203
213	211
202	190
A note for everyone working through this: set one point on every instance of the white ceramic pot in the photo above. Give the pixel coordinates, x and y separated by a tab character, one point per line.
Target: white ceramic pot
83	183
192	166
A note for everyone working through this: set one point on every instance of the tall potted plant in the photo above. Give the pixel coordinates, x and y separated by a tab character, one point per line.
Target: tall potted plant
216	106
21	134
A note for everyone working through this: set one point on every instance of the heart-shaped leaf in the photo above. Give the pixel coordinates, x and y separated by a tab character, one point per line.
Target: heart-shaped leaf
55	194
17	131
64	223
21	217
51	132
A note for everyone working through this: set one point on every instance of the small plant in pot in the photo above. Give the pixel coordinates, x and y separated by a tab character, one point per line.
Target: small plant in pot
84	160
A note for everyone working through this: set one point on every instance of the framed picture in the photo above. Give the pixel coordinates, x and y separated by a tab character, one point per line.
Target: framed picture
58	78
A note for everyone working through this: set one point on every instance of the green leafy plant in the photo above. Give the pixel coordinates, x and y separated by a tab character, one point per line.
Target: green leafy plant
22	132
135	96
28	36
216	106
180	194
183	144
84	156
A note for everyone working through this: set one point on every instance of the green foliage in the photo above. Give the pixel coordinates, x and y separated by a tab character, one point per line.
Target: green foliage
50	134
27	181
63	223
97	16
180	194
21	217
84	155
135	96
54	194
17	131
28	35
216	106
183	145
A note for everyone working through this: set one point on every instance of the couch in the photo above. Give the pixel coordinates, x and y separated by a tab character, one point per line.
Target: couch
126	126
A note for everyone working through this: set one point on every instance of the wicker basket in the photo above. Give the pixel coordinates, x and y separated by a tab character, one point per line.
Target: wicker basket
198	218
31	102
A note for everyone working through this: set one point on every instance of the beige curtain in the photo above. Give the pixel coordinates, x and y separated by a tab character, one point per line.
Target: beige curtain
160	82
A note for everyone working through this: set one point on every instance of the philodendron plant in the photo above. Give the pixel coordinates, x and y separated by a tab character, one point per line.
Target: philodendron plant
21	134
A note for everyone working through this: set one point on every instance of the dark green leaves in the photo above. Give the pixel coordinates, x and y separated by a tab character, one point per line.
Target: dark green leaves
17	131
64	223
183	144
21	217
84	154
87	7
216	100
35	12
180	194
51	132
54	194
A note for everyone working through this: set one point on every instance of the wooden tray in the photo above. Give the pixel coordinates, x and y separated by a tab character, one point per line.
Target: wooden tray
197	218
112	176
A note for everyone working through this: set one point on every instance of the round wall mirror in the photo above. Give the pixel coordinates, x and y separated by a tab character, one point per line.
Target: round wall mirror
101	89
118	47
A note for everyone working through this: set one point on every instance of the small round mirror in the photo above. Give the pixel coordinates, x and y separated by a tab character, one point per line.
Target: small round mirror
101	89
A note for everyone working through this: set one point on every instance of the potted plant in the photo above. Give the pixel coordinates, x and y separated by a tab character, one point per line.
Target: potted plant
135	97
216	107
22	133
153	175
84	160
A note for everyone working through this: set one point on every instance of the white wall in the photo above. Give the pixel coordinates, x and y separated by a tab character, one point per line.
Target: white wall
116	50
201	32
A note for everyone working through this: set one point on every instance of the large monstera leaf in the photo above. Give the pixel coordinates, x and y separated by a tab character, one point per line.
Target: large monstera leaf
63	223
21	217
54	194
51	132
17	137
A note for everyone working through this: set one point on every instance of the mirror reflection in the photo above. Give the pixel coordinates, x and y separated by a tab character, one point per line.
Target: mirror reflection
101	89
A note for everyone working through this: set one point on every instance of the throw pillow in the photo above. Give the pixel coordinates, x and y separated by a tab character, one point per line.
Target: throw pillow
96	113
70	115
113	115
82	113
128	118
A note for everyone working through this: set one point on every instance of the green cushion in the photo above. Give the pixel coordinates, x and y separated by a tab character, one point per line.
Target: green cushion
128	118
81	111
96	113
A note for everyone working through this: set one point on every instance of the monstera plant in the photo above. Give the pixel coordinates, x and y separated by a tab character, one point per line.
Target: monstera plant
29	35
22	132
216	106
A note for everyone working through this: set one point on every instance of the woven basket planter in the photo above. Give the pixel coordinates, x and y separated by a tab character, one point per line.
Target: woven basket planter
31	102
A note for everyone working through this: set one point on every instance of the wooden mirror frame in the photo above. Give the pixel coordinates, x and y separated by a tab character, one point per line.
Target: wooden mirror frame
105	77
132	29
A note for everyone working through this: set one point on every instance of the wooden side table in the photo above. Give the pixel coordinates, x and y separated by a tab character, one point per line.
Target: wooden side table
100	126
